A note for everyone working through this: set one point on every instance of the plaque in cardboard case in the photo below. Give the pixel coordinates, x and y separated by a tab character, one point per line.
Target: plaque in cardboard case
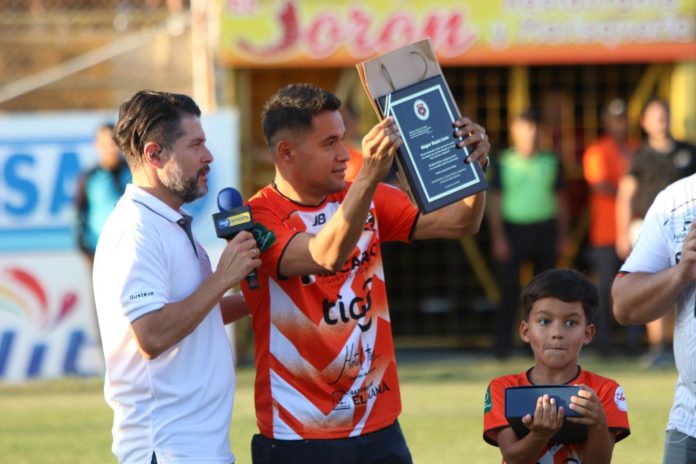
408	85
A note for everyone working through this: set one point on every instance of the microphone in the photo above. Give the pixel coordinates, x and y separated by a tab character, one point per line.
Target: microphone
232	219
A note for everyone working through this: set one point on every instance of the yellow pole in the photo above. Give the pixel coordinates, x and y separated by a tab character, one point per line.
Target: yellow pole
682	99
518	96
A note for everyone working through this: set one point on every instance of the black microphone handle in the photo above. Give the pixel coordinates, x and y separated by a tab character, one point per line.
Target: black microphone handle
252	280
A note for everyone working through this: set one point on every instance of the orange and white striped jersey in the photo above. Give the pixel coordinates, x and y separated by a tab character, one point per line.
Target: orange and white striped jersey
609	392
325	364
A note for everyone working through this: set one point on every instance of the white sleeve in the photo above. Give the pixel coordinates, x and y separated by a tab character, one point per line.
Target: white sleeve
652	252
142	271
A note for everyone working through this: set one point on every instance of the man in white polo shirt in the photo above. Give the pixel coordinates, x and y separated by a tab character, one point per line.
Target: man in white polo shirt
659	276
161	310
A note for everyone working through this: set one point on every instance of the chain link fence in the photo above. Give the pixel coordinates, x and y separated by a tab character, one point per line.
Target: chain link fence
91	54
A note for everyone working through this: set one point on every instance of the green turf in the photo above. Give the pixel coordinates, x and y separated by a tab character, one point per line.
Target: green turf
67	421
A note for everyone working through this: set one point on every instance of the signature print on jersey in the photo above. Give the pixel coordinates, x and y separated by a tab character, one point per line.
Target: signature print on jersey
355	358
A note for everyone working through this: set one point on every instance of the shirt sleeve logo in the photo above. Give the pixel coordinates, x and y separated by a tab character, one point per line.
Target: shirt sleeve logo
620	399
264	237
487	402
137	296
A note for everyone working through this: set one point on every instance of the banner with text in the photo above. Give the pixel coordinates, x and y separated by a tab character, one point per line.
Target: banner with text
312	33
47	321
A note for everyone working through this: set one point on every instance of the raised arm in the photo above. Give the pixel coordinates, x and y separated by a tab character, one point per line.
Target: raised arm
641	297
328	250
159	330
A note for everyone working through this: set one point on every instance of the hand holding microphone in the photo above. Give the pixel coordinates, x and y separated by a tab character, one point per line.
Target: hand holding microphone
232	219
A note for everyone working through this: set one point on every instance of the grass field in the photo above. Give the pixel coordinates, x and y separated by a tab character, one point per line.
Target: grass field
67	421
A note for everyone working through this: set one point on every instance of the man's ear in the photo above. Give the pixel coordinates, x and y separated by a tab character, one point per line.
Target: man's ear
284	150
152	153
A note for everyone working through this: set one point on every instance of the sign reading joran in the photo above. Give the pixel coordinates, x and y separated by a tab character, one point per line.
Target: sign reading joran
267	33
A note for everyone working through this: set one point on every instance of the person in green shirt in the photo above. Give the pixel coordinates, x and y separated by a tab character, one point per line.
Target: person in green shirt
526	217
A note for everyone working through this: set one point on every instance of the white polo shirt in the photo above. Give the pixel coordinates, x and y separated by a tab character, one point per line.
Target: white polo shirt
659	247
178	405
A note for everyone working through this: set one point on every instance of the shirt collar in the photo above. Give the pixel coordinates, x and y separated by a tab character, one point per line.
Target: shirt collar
154	204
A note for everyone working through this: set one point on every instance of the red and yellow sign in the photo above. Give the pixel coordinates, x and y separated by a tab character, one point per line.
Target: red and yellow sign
283	33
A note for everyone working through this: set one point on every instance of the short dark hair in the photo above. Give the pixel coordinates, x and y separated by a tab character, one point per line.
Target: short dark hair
151	116
530	115
293	107
564	284
105	126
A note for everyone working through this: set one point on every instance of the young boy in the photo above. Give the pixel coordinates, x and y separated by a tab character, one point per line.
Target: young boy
559	306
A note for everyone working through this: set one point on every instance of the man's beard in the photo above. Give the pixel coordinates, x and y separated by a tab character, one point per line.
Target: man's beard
187	190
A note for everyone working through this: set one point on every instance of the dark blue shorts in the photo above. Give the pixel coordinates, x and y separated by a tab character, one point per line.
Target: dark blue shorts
385	446
154	459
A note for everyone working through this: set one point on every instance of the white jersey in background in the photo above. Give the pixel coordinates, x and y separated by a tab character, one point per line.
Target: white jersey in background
659	247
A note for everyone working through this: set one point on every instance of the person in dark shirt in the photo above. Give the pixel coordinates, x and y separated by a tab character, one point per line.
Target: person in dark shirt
99	189
660	161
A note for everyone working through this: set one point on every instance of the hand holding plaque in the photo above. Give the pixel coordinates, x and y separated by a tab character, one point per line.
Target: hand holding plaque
407	84
379	146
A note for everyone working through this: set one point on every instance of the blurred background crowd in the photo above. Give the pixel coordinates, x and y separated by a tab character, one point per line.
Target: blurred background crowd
589	107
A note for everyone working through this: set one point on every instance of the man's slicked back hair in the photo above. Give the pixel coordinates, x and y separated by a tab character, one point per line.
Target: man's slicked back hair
151	116
293	107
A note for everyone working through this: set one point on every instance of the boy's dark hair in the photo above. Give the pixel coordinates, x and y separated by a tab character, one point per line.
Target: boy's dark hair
564	284
293	107
150	116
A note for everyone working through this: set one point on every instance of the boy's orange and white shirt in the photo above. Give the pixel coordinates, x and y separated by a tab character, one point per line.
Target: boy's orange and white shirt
609	392
325	365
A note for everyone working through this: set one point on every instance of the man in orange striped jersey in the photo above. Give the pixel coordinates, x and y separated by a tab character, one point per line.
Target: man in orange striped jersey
326	384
